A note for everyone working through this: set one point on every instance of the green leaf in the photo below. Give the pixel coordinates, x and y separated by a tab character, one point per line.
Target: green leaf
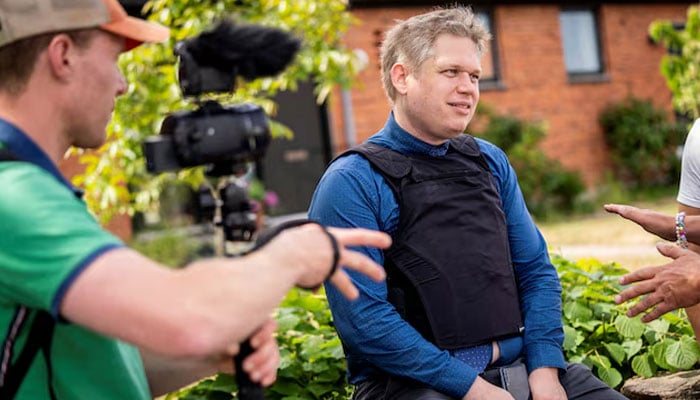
610	376
600	361
632	347
570	338
616	351
680	355
643	365
631	328
659	350
577	311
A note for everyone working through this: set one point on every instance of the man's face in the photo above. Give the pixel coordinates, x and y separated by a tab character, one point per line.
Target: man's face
438	101
94	93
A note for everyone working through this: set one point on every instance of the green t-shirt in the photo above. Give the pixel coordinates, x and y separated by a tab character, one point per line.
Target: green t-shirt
47	238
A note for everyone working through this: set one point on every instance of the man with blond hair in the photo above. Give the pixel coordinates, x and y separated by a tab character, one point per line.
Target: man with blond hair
471	308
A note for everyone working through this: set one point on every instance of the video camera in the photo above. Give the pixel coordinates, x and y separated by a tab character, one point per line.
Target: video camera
222	137
219	137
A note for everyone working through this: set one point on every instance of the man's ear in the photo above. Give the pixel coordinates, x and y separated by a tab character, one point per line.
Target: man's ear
399	76
60	54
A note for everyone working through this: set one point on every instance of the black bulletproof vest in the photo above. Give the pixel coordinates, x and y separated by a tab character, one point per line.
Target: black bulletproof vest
449	271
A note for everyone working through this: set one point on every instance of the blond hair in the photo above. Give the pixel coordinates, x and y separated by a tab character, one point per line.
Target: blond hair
412	41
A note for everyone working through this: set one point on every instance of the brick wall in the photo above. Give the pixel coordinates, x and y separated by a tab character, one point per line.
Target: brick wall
534	77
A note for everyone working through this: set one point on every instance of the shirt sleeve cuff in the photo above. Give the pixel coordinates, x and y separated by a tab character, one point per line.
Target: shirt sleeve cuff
540	355
456	379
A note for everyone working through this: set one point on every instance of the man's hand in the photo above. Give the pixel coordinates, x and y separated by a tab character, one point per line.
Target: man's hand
309	248
661	225
667	287
545	385
262	365
483	390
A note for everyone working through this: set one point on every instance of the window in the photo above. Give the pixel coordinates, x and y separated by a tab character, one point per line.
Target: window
579	32
489	62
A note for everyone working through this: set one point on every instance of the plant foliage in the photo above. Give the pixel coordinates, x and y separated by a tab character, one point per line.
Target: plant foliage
548	188
600	335
643	143
313	363
681	66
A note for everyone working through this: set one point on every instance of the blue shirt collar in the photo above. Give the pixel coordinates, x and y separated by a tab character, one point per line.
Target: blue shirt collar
24	148
396	138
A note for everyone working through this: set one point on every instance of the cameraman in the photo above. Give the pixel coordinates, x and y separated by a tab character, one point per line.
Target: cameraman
76	288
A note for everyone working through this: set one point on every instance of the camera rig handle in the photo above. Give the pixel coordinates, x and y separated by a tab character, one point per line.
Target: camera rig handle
247	389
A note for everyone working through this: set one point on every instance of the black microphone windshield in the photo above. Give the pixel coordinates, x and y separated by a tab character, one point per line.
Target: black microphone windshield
251	51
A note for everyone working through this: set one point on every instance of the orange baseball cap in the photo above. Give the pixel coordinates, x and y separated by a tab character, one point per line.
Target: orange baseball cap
21	19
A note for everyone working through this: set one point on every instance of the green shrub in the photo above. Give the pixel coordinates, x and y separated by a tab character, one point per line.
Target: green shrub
548	188
313	362
643	143
600	335
169	249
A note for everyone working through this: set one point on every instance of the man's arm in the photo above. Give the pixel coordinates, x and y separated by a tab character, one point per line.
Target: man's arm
203	309
166	374
693	312
349	195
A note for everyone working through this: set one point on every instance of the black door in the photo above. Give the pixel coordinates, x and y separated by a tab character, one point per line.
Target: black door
292	168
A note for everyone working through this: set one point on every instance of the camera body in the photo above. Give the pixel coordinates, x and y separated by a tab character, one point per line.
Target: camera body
213	135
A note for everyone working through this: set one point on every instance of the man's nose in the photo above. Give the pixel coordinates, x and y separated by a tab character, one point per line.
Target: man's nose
467	85
122	85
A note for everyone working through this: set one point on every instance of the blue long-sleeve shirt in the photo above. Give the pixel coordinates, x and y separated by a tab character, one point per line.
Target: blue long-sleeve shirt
375	337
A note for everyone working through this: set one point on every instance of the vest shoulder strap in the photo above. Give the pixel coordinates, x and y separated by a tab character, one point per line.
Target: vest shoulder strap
39	338
6	155
391	162
467	145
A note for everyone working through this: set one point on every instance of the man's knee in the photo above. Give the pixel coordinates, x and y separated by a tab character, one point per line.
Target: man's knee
396	388
581	384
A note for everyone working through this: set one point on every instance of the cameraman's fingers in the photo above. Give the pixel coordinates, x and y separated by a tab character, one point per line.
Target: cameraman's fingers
361	237
361	263
262	364
344	284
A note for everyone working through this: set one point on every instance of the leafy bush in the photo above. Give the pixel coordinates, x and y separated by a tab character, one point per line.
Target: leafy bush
643	143
679	65
600	335
313	362
548	188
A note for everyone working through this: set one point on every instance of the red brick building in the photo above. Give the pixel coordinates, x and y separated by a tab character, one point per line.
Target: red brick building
560	62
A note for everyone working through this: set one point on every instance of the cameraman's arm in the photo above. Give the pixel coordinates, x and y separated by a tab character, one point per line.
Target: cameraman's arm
167	374
204	308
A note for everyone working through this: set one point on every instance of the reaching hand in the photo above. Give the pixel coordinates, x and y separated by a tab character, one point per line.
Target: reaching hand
661	225
667	287
310	249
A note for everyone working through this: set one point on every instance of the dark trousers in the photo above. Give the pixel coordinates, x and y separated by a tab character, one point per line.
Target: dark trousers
578	381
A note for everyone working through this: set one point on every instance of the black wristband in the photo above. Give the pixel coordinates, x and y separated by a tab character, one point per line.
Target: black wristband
336	252
267	236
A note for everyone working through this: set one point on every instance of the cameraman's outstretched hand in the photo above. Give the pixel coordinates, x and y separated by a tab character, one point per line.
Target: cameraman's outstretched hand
309	249
357	261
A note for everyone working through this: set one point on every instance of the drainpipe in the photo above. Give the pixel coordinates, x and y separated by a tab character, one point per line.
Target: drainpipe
348	119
